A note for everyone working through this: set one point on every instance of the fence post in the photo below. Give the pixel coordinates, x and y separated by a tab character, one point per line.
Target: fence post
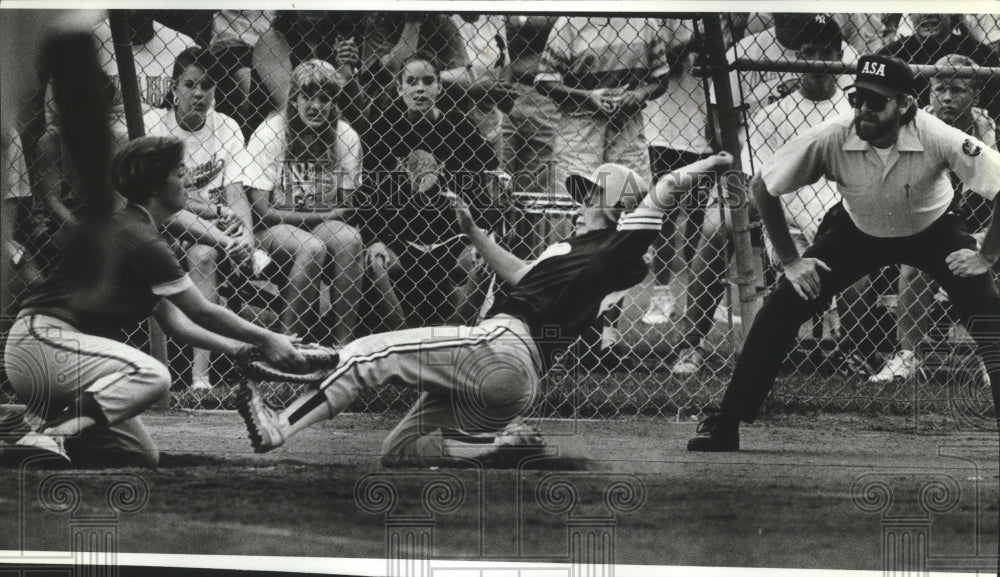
133	119
747	272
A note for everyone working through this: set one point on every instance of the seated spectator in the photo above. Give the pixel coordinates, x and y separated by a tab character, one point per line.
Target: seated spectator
213	148
297	36
817	98
415	153
302	166
937	35
953	100
393	38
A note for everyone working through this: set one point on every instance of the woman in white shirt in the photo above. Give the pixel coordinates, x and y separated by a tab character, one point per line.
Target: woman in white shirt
302	166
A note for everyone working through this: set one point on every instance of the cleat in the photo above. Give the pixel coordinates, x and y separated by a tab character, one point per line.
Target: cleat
689	362
714	435
47	449
261	420
900	367
661	309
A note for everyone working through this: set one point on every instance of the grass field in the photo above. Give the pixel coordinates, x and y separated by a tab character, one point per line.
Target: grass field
792	498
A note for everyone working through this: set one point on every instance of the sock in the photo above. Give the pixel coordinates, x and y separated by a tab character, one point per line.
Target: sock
306	411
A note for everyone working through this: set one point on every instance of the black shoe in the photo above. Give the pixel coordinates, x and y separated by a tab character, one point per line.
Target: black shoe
715	435
850	364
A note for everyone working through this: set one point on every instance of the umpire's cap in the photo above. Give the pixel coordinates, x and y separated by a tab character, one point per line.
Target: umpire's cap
620	188
885	75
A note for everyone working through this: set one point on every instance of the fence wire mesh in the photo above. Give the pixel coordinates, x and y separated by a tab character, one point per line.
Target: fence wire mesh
317	143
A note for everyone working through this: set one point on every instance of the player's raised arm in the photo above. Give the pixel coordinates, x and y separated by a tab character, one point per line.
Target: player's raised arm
683	180
507	266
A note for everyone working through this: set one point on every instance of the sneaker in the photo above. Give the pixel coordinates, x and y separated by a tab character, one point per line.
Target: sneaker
715	436
47	449
260	418
689	362
900	367
661	308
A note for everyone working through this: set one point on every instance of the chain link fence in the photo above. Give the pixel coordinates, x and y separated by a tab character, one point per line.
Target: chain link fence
318	143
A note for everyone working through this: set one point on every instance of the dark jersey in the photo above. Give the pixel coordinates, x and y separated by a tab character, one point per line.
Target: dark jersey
563	292
111	276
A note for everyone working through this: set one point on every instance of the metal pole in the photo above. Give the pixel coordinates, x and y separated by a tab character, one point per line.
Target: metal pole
748	269
133	118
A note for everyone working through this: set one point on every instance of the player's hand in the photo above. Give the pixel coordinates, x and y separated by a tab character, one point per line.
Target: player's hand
967	262
803	273
280	350
462	213
722	159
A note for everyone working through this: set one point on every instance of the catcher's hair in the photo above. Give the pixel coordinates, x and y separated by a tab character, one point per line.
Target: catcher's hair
142	166
310	76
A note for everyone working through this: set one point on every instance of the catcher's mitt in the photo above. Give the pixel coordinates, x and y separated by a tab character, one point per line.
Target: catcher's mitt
320	361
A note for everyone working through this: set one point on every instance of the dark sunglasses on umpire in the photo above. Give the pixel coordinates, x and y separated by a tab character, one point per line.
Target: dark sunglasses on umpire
876	102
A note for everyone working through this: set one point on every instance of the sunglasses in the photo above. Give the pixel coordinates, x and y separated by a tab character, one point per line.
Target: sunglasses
876	102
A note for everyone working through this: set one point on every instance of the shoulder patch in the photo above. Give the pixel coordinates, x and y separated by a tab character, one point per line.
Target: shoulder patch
970	148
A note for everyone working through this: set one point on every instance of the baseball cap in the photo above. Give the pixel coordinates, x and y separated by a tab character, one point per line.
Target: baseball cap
621	188
885	75
819	29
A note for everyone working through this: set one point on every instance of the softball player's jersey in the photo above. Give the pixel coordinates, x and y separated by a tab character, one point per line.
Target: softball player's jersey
112	278
563	292
900	196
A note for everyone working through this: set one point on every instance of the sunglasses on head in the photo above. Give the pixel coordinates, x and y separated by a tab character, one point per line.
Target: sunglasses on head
876	102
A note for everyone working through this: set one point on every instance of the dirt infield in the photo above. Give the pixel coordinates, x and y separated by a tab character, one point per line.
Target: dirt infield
811	492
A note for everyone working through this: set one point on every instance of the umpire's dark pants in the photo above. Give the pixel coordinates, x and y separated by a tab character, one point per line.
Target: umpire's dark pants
852	254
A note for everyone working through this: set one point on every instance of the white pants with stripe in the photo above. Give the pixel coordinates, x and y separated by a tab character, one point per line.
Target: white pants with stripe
476	379
59	372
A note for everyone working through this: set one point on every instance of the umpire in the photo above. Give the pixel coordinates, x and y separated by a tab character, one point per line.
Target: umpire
890	162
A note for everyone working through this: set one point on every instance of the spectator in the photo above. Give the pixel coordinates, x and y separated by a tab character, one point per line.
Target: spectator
953	100
675	128
985	28
937	35
415	152
240	94
300	35
817	97
779	43
213	148
529	129
302	166
601	72
392	38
